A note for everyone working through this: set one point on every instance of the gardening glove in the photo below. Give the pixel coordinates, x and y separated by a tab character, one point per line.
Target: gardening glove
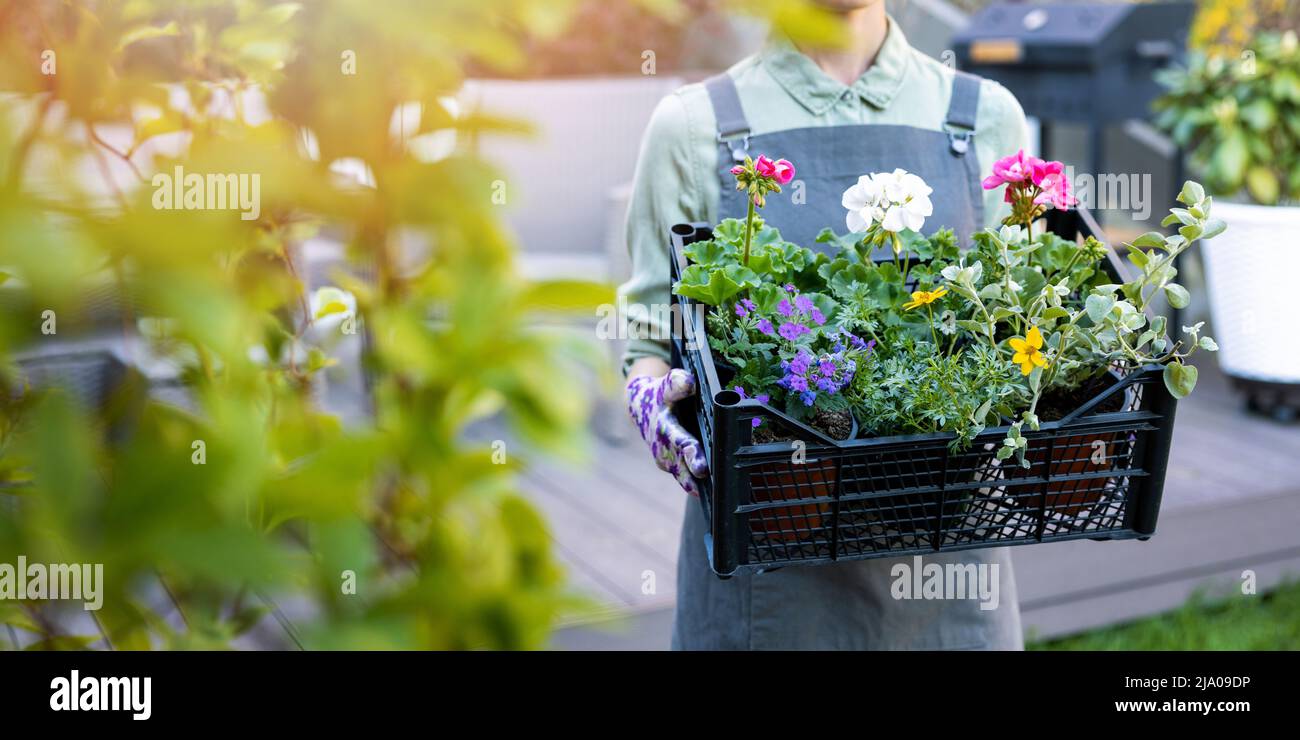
675	451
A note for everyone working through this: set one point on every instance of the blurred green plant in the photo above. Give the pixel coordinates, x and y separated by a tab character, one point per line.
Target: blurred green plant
445	552
1238	117
1210	620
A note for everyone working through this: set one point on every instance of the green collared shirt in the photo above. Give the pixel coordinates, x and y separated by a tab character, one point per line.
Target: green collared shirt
780	88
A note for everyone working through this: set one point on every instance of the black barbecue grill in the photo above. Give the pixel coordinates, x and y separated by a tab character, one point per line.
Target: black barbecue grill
1089	63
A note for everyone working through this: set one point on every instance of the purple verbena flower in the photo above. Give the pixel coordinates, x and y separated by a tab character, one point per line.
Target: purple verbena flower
818	317
784	308
799	365
803	303
765	326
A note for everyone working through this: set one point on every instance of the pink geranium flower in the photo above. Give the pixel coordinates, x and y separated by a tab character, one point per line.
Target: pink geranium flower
780	170
1040	170
783	171
1032	184
1056	190
757	178
1013	170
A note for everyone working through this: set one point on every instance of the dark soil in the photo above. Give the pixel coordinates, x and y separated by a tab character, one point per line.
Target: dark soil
834	424
1057	404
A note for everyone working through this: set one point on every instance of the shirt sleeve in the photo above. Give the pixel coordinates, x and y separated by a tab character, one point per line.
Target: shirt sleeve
1000	130
665	191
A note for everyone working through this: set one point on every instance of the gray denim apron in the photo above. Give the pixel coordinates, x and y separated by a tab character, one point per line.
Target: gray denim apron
849	605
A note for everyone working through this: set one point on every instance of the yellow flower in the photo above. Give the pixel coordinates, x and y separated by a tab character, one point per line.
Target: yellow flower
925	297
1027	351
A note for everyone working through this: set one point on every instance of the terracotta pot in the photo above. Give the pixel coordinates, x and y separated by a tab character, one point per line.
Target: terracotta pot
1084	453
917	513
786	482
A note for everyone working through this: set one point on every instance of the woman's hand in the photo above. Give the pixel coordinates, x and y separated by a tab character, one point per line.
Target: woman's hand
650	396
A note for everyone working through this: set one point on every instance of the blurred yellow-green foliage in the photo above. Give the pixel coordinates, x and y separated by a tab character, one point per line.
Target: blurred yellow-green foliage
446	553
96	96
1229	26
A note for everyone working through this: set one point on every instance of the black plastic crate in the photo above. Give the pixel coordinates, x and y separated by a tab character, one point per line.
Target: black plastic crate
1095	474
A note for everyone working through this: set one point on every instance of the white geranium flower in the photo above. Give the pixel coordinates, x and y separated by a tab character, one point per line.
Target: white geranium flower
330	308
896	200
863	203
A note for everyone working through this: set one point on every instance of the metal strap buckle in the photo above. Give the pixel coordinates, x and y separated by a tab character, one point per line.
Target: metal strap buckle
738	153
959	140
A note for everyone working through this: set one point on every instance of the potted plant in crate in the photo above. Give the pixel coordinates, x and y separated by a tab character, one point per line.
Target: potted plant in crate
775	340
950	364
1073	330
1239	119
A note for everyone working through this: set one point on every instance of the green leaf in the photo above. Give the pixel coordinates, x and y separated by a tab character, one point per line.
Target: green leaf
141	33
1260	114
1209	345
1180	379
1263	185
1149	239
1177	295
1213	227
1228	163
1192	192
1098	306
713	286
710	252
731	231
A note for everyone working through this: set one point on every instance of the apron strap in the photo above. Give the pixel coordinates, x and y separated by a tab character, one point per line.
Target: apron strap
733	128
960	121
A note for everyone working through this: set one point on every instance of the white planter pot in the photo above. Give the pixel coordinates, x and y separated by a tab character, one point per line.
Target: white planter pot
1248	270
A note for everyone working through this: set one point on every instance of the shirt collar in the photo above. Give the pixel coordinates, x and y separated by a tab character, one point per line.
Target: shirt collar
808	84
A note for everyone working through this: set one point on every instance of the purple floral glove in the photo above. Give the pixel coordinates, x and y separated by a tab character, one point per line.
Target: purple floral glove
675	451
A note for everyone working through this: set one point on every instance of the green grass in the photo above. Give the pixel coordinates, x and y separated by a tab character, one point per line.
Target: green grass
1265	622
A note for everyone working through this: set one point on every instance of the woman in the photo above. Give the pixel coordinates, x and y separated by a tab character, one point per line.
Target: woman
874	105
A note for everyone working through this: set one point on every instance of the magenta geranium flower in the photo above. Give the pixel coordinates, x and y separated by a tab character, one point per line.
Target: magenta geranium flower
1013	170
1032	185
780	171
783	171
758	178
1056	191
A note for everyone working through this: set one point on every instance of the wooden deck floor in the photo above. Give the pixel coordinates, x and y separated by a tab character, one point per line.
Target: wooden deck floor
1231	502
